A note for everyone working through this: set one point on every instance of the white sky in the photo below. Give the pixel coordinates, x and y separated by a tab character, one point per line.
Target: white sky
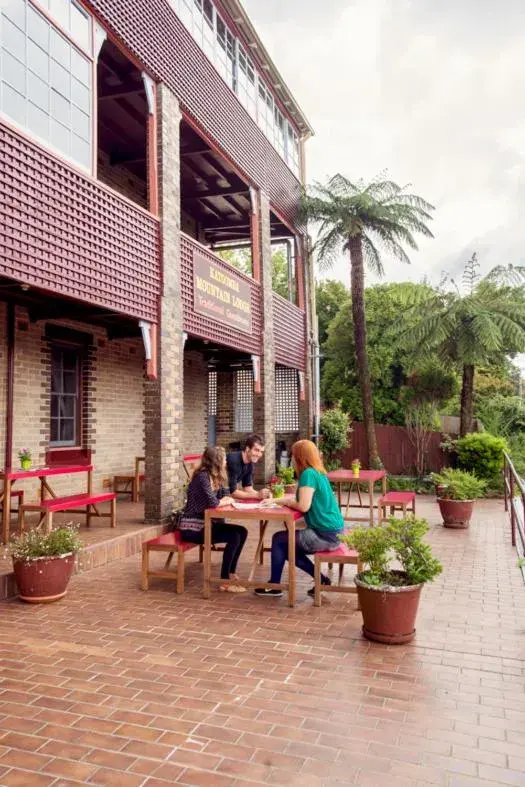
430	90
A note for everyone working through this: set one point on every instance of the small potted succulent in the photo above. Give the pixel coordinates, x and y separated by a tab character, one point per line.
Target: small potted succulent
356	467
43	563
389	597
286	476
458	491
24	456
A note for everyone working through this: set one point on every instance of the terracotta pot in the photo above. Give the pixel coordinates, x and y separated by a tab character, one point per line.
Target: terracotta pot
45	579
290	489
456	513
389	614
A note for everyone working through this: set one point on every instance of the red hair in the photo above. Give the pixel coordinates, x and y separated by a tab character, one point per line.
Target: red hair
306	454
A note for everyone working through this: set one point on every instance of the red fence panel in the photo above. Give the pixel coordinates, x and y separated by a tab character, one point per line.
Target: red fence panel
65	233
289	333
395	449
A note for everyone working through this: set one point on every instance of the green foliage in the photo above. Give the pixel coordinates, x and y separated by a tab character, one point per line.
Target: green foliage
381	213
286	475
481	453
241	258
402	540
430	384
334	428
422	486
329	298
459	484
517	452
35	544
503	415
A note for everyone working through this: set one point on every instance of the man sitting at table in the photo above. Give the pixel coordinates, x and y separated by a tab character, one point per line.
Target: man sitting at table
240	469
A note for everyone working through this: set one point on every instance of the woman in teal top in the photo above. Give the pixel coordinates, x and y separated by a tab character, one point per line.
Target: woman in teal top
316	500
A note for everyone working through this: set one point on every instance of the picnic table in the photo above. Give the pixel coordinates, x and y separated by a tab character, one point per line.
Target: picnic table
369	477
264	515
10	477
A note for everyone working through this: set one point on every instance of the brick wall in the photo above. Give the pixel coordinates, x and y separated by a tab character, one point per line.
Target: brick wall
122	180
115	400
195	402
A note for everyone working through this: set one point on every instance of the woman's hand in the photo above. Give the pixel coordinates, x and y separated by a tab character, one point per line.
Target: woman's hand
225	501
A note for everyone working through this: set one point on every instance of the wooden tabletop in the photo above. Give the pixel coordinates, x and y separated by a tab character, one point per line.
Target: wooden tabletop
41	472
348	475
268	513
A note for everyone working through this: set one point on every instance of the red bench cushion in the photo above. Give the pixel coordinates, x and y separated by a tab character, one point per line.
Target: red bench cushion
341	551
172	539
398	497
81	499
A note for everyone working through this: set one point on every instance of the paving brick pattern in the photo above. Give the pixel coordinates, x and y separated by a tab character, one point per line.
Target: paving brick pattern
114	686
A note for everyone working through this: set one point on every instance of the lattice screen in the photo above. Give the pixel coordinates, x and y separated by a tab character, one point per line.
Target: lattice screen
286	400
243	400
212	393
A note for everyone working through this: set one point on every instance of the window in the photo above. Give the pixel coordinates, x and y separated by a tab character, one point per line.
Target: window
243	400
225	54
279	132
246	87
292	150
265	110
286	400
45	80
65	395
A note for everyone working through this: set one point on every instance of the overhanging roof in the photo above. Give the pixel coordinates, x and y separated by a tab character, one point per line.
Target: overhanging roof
260	55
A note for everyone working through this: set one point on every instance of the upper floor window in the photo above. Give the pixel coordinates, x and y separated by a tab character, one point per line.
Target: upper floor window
246	82
46	80
279	132
265	108
225	53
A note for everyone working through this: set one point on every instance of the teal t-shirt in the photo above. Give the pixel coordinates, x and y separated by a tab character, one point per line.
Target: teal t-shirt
324	513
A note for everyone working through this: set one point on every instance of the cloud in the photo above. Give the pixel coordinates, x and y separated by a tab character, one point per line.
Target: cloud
430	91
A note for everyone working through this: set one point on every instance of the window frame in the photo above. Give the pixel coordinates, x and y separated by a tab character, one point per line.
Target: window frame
61	345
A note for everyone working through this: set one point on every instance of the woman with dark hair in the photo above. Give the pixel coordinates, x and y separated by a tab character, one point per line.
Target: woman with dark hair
324	521
206	490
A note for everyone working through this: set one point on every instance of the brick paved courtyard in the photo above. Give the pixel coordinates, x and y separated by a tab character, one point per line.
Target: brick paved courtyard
114	686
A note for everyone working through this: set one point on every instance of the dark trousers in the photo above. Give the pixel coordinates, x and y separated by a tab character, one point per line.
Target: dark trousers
234	536
280	556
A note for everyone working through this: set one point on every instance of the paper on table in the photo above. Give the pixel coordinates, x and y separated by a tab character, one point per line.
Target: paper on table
251	506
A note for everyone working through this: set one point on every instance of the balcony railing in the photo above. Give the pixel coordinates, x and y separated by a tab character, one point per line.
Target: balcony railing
289	333
515	505
66	233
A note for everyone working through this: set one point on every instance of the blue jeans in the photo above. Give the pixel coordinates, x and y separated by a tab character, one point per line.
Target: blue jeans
306	542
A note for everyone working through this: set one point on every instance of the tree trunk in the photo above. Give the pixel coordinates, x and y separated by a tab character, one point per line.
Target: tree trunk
467	400
357	277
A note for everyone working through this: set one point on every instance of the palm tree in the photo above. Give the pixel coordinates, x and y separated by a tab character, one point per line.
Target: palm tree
472	324
362	219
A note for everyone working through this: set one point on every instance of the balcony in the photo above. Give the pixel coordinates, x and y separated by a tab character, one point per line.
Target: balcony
289	332
67	234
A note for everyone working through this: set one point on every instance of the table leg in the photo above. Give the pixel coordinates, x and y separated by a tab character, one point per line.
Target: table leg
207	554
6	511
348	500
135	485
259	554
384	484
290	523
371	501
339	493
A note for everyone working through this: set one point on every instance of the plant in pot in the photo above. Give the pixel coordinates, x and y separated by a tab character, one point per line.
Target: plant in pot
286	476
24	455
458	491
276	486
389	597
43	563
356	467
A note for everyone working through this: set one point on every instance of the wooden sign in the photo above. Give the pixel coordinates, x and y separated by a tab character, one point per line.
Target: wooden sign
221	294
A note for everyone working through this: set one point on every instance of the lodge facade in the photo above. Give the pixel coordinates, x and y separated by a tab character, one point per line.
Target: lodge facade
155	285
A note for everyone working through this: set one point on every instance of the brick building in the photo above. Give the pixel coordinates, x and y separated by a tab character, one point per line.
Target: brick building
155	288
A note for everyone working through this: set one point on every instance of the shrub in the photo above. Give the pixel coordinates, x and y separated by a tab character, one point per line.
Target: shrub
334	428
481	453
401	540
35	544
399	483
459	484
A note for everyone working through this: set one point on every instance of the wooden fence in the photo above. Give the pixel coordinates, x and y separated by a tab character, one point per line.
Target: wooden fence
395	449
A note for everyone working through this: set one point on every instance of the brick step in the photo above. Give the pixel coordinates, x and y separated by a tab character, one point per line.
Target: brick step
94	555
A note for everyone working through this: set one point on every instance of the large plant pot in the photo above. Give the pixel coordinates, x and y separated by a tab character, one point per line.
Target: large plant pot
456	513
45	579
389	615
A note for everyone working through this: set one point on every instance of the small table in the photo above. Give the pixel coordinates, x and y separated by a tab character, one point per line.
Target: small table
136	485
279	514
42	473
370	477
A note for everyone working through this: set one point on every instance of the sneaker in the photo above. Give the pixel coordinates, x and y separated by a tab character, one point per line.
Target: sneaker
273	592
324	581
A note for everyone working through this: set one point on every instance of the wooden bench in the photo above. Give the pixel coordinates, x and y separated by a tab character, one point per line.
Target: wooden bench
131	483
396	501
173	544
15	493
190	462
342	556
87	500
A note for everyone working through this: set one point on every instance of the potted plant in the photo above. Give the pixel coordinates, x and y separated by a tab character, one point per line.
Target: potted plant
286	476
458	490
356	467
43	563
389	597
24	456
